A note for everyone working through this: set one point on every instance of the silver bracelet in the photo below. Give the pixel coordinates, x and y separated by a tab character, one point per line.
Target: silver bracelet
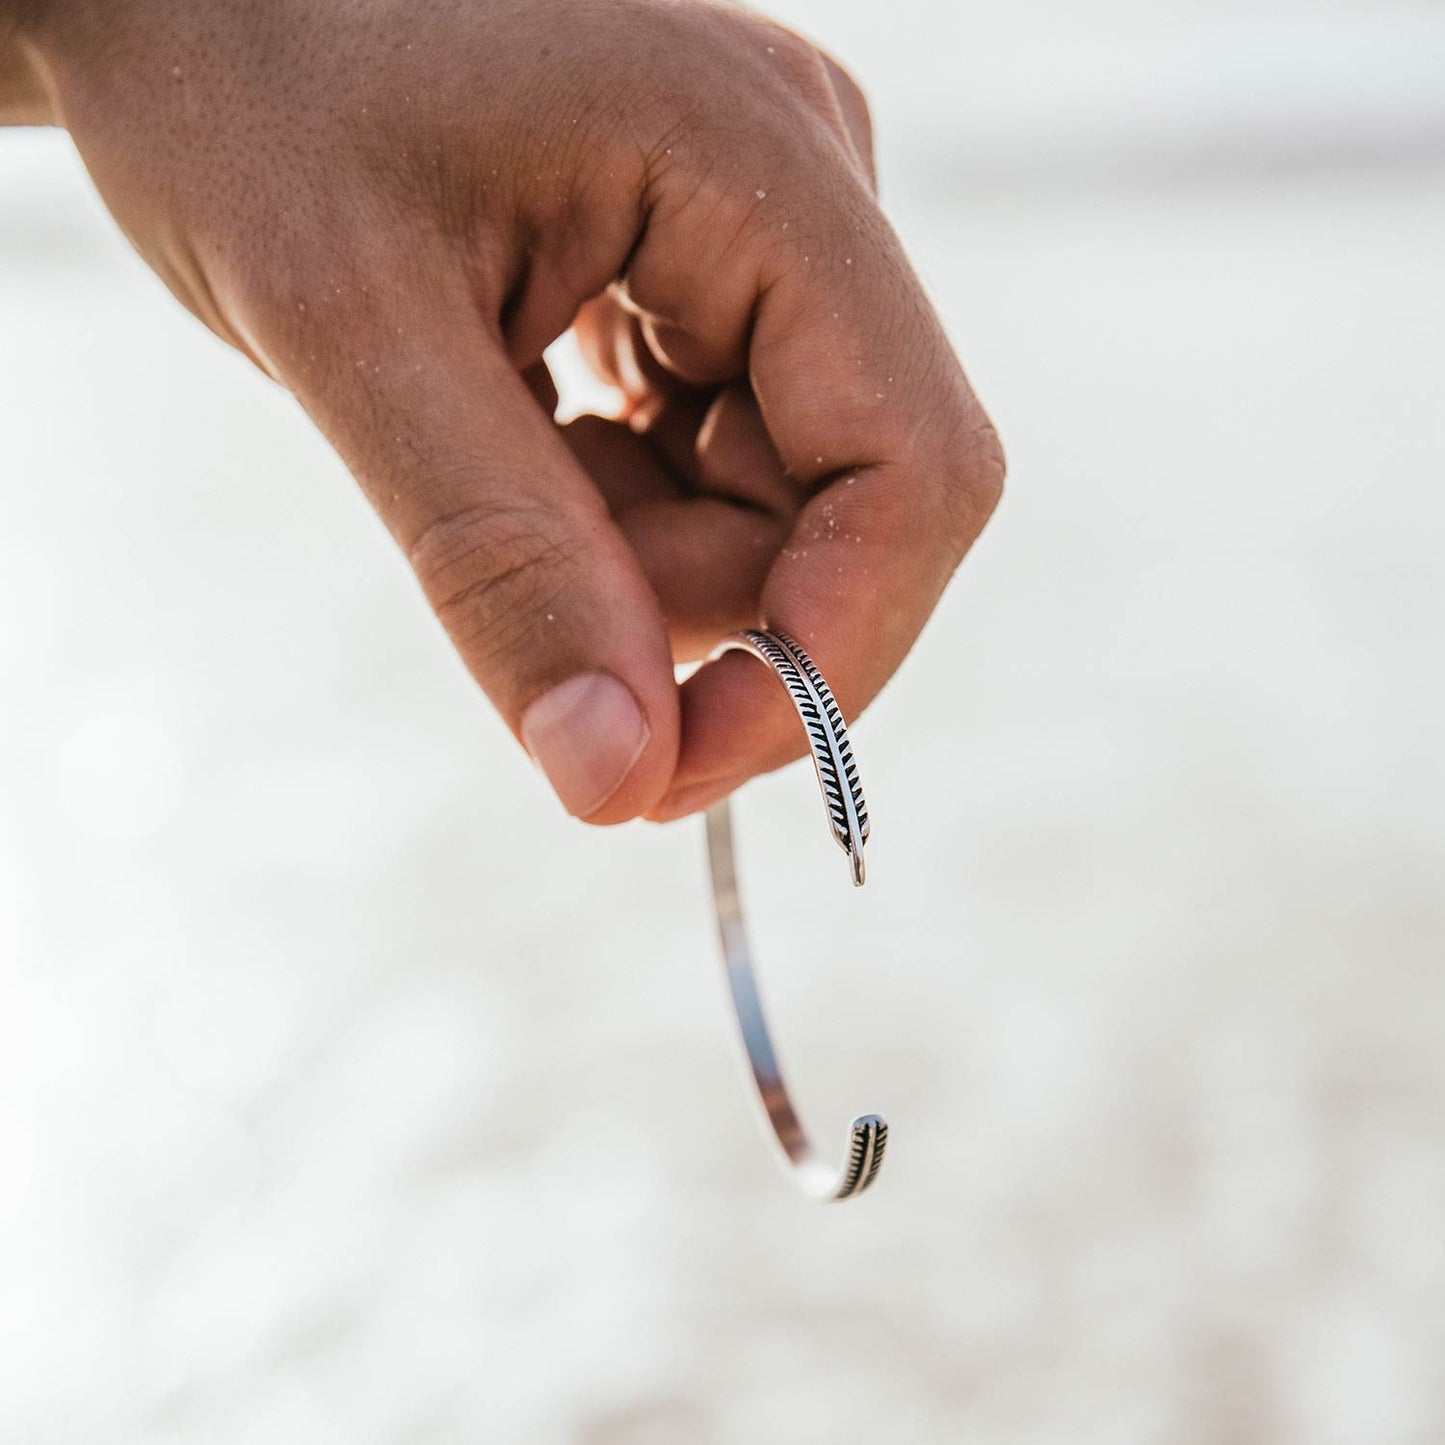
848	820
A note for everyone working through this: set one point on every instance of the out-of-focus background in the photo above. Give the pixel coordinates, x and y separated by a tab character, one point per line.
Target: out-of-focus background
348	1092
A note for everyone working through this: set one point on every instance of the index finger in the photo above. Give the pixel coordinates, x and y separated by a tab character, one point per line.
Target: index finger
869	410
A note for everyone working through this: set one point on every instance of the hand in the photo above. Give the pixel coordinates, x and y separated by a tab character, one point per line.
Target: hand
394	209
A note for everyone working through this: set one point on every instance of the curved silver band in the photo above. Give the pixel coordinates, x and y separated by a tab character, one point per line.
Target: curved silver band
848	822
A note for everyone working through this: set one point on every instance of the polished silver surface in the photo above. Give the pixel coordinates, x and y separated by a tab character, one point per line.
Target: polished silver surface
848	821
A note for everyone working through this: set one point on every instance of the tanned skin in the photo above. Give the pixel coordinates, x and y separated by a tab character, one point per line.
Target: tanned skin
393	209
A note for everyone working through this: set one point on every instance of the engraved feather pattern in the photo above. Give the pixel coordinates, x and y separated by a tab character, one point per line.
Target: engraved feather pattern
865	1155
844	748
827	736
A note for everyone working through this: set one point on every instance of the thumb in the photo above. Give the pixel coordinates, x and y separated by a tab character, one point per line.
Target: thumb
513	546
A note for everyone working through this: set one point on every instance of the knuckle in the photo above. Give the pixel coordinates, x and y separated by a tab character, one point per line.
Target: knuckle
767	122
776	75
972	472
855	115
850	93
489	571
990	466
812	76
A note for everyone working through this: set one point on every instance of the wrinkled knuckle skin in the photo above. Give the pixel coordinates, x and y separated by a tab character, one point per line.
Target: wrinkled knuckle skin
990	467
815	77
973	477
489	573
779	61
767	113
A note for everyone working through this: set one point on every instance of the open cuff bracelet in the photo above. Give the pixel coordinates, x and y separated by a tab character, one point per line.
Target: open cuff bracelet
848	821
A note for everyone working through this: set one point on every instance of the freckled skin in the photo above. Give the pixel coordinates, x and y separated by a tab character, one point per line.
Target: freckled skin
394	209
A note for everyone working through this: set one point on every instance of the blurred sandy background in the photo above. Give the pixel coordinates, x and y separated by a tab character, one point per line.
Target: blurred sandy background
348	1092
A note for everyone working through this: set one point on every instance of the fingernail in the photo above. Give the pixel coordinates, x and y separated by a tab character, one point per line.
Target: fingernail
585	734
